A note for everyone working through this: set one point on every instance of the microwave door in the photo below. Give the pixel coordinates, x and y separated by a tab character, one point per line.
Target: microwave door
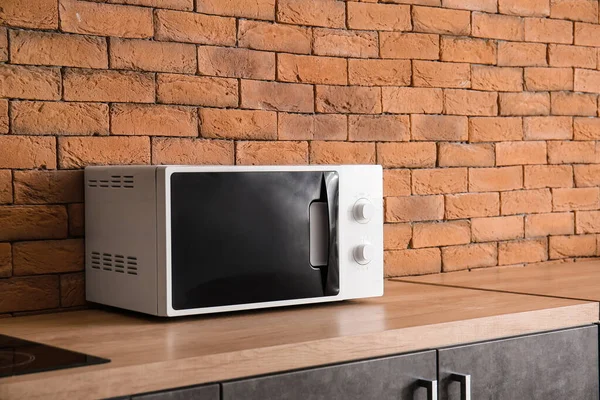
251	237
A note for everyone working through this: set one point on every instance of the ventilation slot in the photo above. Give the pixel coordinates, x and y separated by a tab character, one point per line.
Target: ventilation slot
115	181
114	263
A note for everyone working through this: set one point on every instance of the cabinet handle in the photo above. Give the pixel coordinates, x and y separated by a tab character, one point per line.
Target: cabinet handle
431	386
465	385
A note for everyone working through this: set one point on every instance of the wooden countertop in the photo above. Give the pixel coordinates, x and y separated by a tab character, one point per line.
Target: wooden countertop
575	279
151	354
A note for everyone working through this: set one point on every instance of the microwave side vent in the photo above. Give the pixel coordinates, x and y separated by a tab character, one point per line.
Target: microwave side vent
114	263
112	181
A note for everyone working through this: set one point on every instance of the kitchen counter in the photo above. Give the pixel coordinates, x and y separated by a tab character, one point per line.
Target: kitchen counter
150	354
574	279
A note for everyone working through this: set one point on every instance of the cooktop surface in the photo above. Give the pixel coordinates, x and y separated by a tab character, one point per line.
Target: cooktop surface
18	357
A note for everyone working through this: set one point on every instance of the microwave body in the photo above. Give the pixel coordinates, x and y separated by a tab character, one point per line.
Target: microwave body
185	240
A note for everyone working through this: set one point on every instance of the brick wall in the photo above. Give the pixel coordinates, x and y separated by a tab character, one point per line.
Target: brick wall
482	112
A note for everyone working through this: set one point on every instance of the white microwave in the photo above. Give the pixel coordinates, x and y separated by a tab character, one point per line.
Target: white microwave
184	240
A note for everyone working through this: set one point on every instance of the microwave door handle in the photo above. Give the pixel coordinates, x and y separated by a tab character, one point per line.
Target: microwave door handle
331	191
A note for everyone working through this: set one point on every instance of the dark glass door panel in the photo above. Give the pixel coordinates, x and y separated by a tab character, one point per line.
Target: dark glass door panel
244	237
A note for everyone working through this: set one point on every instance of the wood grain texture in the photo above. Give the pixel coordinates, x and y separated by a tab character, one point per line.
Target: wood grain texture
573	279
151	354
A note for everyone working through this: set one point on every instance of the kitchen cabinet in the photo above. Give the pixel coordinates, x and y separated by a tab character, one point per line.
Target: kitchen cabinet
410	376
553	365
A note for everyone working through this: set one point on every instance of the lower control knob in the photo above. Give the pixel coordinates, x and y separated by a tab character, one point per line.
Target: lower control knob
364	253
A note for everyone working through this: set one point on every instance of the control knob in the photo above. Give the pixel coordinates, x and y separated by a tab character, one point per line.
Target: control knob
363	211
364	253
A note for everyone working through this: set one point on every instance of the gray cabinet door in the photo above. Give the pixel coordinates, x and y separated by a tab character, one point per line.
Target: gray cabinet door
380	379
548	366
207	392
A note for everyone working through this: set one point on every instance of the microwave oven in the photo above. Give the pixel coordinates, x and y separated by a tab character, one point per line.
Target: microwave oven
184	240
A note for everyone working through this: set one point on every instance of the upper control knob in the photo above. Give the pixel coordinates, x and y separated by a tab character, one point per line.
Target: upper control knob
363	211
364	253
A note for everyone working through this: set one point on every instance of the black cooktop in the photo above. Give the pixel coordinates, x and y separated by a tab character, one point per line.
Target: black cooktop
18	357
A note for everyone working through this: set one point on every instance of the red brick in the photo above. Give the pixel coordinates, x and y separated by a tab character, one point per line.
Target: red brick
261	9
335	42
434	234
179	26
572	246
470	102
577	10
494	129
396	182
495	26
417	2
409	45
113	86
6	260
371	128
48	118
495	179
587	80
469	205
353	99
44	48
185	151
407	155
548	128
342	153
456	258
548	30
587	175
196	90
566	103
526	103
312	127
499	79
522	251
153	120
588	222
380	17
274	37
396	236
277	96
21	152
78	152
586	128
548	176
548	79
6	189
236	63
311	69
172	4
32	222
412	100
105	19
36	14
513	54
526	201
378	72
4	116
439	181
36	83
271	153
414	208
571	152
72	290
549	224
560	55
475	5
330	14
148	55
440	20
519	153
238	124
439	127
477	51
528	8
48	257
76	219
466	155
437	74
3	44
29	293
587	34
48	187
576	199
497	228
412	262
